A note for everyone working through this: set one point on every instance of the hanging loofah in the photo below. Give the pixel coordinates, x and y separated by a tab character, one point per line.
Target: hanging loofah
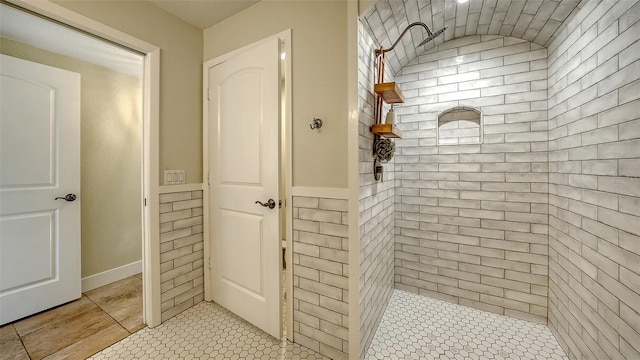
383	150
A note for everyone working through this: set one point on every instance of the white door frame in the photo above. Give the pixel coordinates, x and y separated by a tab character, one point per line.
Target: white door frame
150	158
285	38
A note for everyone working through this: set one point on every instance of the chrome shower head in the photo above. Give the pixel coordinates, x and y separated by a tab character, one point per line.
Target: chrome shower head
432	36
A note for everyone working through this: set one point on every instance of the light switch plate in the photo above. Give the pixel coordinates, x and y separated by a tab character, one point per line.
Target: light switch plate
175	177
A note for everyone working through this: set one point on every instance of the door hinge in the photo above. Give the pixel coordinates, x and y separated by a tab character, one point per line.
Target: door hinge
209	263
208	178
208	94
145	201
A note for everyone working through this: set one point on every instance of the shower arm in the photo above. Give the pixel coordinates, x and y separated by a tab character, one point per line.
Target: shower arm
382	51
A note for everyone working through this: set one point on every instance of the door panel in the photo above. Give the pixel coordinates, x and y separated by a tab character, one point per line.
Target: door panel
241	136
36	231
244	113
246	232
40	153
34	145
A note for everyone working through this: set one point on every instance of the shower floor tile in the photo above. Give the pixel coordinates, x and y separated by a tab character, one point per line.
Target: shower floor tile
205	331
418	327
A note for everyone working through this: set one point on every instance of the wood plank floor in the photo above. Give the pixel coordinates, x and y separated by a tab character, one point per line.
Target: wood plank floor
79	329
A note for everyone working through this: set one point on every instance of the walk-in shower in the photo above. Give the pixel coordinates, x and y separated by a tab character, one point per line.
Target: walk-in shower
530	210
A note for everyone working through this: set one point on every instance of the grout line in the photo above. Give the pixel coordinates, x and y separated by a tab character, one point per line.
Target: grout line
21	342
107	313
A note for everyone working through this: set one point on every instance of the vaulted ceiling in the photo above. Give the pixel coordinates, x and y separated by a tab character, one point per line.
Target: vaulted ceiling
537	21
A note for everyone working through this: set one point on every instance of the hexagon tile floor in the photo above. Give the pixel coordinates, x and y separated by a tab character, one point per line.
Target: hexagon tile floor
205	331
418	327
412	327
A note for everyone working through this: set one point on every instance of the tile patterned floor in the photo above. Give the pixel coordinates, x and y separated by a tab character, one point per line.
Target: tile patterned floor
205	331
417	327
413	327
77	329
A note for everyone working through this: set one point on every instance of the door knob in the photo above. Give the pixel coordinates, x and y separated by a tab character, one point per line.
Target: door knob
68	197
270	203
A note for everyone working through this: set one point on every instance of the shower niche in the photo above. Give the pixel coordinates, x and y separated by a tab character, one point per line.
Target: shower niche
460	125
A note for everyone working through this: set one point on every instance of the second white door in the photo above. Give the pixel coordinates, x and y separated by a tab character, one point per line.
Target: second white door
40	161
244	113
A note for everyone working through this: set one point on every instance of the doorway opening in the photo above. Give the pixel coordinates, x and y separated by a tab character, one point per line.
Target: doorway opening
124	85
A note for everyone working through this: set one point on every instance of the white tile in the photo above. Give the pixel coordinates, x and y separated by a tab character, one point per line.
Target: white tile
506	89
616	44
630	92
629	167
473	75
479	65
505	70
484	83
528	76
526	96
526	56
205	331
629	55
418	327
459	95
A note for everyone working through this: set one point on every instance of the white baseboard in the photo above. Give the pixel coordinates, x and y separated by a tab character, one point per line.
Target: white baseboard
109	276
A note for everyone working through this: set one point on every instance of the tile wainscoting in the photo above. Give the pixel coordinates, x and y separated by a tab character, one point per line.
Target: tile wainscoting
320	264
321	275
181	251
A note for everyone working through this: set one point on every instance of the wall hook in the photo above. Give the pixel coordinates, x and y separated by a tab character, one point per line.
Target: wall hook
315	124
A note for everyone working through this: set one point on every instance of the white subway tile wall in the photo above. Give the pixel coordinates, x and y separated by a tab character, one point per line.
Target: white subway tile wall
375	206
181	251
321	275
594	184
471	220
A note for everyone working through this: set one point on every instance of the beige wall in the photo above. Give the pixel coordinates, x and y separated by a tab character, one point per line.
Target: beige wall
180	75
110	141
319	84
363	5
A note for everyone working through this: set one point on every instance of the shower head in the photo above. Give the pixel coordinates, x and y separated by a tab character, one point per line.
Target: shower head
382	50
432	36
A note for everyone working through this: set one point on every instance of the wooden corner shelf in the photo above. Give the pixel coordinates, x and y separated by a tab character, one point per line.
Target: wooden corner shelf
389	92
388	131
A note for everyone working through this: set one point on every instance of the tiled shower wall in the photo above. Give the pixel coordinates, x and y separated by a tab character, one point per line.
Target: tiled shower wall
181	251
321	275
471	220
375	207
526	19
594	166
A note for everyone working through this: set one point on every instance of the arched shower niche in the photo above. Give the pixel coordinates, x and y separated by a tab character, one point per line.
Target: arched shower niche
460	125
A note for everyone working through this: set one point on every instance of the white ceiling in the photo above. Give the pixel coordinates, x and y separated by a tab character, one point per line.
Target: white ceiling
203	13
35	31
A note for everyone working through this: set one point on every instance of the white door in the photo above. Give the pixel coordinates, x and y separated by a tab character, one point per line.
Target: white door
39	161
244	157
